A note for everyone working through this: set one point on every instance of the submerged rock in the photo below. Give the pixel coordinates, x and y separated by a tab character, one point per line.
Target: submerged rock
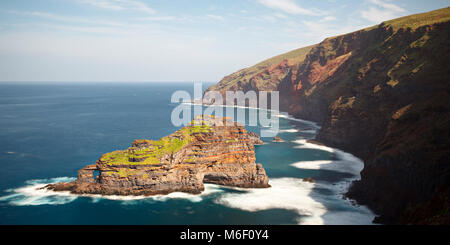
206	151
309	179
277	139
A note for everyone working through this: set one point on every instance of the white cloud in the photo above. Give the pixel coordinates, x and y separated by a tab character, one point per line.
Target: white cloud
215	17
132	56
321	30
289	7
159	18
316	31
328	18
280	15
269	18
120	5
381	11
385	5
62	18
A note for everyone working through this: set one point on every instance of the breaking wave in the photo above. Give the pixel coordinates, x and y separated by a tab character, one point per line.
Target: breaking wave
33	194
345	162
292	130
305	198
299	196
289	117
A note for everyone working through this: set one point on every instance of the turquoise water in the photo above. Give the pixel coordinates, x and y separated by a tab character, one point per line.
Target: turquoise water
49	131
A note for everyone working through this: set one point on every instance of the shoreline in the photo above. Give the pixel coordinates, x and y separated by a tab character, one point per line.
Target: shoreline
318	144
312	205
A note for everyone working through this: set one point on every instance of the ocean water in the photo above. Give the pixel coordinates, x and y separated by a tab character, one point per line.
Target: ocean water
50	130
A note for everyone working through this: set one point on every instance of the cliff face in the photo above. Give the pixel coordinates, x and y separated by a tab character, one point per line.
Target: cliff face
264	76
387	103
382	94
204	152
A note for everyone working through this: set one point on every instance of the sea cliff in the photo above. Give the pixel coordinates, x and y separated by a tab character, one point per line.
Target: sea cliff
209	150
382	94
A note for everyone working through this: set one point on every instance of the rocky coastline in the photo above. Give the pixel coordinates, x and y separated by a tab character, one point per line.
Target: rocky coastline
380	93
206	151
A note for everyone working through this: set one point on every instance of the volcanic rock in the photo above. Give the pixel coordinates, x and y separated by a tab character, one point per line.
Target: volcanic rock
277	139
209	150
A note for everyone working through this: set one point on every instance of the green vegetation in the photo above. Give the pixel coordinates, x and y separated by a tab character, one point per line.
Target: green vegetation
125	172
260	76
295	56
420	42
232	140
191	159
265	81
155	150
199	129
418	20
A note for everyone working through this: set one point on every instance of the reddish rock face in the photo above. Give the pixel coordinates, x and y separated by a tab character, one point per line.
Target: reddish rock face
382	94
221	155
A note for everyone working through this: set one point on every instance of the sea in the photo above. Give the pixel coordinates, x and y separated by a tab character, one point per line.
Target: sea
49	130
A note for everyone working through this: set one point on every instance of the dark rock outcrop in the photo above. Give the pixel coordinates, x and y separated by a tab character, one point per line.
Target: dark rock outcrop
204	152
309	179
277	139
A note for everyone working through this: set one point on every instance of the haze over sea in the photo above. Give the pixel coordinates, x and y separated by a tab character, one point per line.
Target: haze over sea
50	130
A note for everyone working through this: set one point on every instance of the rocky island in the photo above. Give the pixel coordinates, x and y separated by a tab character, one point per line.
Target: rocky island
206	151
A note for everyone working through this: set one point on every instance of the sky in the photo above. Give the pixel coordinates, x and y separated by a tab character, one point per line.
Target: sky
176	40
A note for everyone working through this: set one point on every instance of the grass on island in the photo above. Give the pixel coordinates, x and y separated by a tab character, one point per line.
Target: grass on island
154	150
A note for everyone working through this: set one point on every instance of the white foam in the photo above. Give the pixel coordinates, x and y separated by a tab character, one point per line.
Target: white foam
343	166
311	164
309	131
299	196
32	194
285	193
346	162
209	189
349	162
292	130
49	181
289	117
303	144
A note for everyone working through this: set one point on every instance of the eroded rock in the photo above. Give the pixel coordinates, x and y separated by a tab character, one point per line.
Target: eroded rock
277	139
203	152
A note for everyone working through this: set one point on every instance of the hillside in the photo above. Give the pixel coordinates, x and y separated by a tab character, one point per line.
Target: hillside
265	75
382	94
